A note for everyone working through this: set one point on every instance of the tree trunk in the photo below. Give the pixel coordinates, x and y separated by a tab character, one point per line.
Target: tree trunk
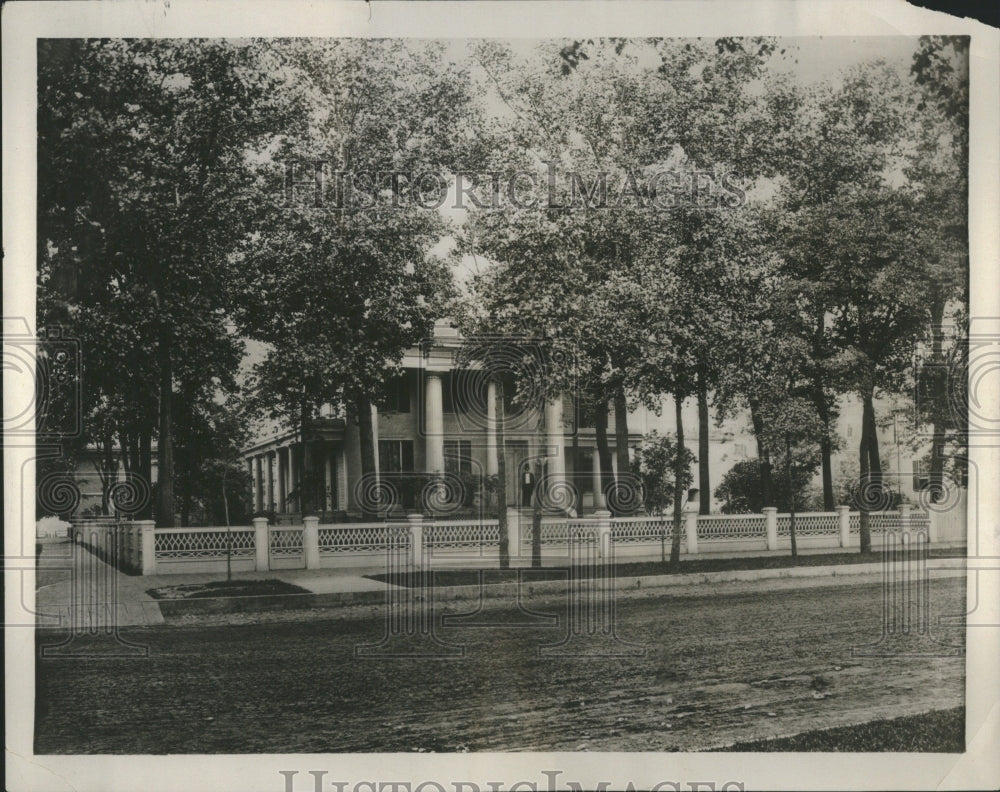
128	456
501	492
185	502
165	469
621	434
603	453
764	457
938	396
679	495
704	478
144	462
108	473
826	445
791	495
366	440
874	460
620	502
864	485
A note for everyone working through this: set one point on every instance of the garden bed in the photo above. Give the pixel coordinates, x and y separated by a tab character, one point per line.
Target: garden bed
473	577
225	588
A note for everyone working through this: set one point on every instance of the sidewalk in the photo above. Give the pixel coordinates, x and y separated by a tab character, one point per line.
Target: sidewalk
80	590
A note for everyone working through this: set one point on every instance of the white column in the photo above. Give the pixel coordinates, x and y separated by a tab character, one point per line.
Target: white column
329	481
555	437
282	478
258	483
492	463
844	523
342	478
599	500
378	467
555	460
293	474
270	482
434	424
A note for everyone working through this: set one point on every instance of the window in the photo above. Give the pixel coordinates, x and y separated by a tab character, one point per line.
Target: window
740	451
447	394
398	395
920	481
458	457
395	456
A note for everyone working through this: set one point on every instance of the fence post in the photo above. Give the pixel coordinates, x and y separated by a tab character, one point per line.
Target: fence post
513	533
147	529
691	528
310	541
416	539
933	529
844	523
603	533
261	545
771	525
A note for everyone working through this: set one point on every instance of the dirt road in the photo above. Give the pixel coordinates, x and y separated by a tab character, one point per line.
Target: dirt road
711	670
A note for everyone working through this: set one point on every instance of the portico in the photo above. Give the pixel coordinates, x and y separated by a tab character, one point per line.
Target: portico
436	419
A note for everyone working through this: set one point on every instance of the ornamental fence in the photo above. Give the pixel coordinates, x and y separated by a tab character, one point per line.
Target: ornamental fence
140	547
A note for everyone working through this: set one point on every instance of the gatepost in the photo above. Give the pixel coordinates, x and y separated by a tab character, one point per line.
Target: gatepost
513	533
844	523
771	523
691	526
260	543
147	530
416	540
310	541
603	533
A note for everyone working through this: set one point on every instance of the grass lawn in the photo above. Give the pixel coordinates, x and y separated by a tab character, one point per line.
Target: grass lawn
226	588
471	577
942	731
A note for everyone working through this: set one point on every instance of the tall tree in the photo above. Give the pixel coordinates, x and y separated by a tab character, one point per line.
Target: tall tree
145	148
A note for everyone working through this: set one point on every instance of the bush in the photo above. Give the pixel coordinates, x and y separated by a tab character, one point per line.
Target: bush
654	462
740	490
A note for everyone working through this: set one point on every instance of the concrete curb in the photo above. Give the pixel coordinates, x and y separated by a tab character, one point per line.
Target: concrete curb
941	567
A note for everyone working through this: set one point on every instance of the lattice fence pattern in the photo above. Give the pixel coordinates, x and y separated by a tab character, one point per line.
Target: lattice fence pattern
626	530
463	534
731	526
203	543
882	522
920	521
812	524
554	532
358	537
286	541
